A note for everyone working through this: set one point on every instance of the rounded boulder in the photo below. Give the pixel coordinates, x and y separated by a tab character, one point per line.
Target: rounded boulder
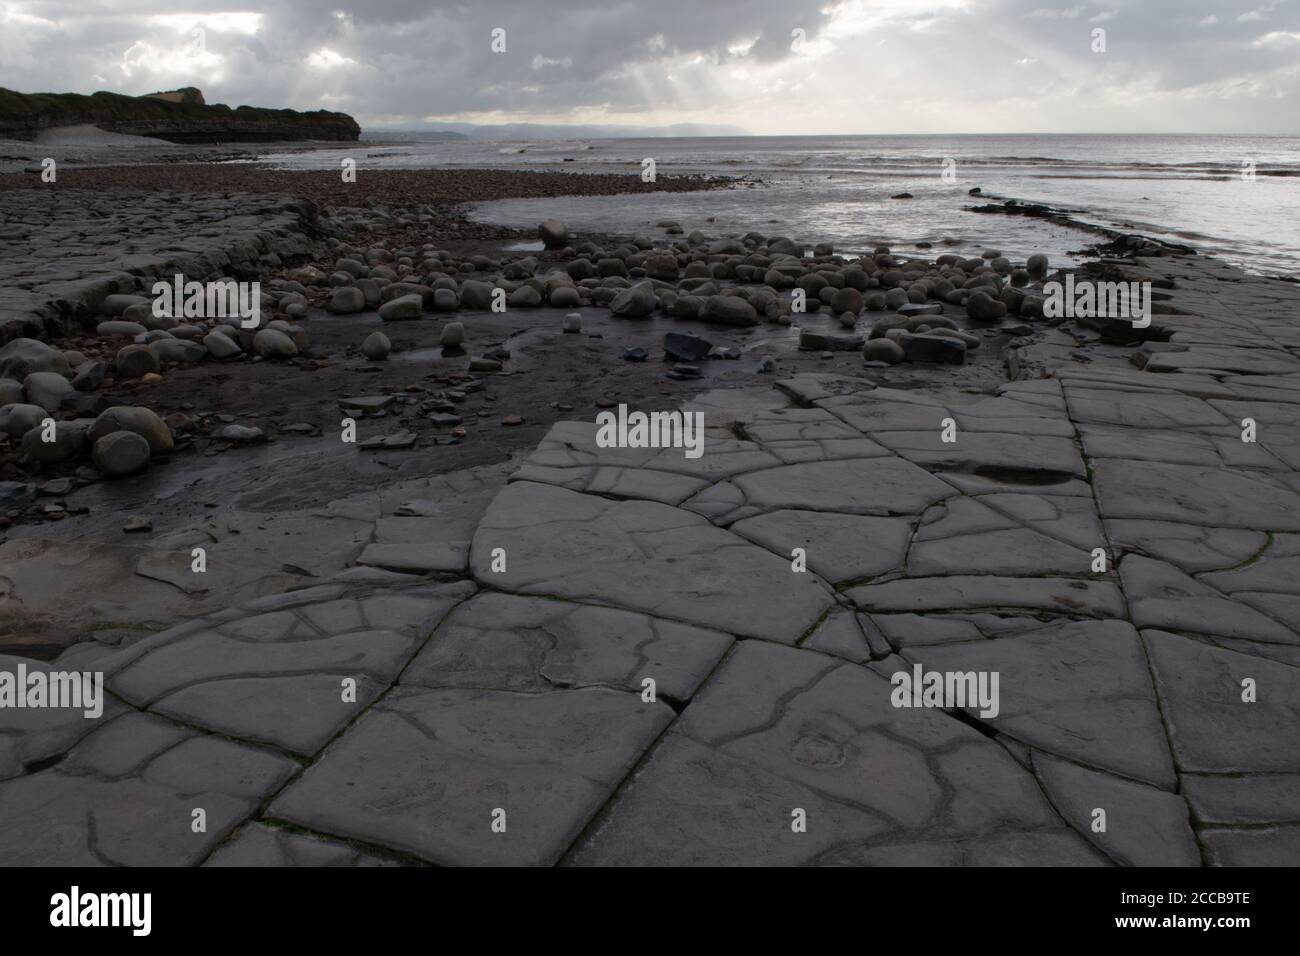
120	453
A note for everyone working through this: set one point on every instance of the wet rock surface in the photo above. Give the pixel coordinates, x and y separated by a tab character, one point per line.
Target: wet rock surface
629	655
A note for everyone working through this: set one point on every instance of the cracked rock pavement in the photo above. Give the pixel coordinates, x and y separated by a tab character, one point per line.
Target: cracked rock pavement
606	656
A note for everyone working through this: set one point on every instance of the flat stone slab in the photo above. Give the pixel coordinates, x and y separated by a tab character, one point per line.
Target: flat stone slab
869	486
1211	450
207	656
780	730
1267	846
837	547
572	446
988	453
642	556
1212	729
1214	359
1012	551
516	643
1191	494
1067	596
1079	690
30	735
1144	826
259	845
289	677
138	808
849	635
1247	800
424	557
1161	596
297	713
1190	547
1140	409
424	772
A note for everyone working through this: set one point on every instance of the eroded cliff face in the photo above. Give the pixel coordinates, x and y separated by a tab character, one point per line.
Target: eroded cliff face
179	117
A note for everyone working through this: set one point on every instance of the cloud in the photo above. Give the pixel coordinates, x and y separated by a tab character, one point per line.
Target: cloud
857	65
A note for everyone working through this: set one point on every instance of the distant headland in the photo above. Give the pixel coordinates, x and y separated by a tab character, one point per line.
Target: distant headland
178	116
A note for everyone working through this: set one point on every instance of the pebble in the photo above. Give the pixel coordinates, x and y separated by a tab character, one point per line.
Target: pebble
984	308
553	233
635	302
55	487
883	350
46	389
376	346
398	440
819	341
686	348
512	420
120	453
565	297
106	329
219	346
22	356
272	343
933	348
346	300
132	361
525	297
730	310
242	434
140	421
452	336
367	403
18	419
69	442
137	524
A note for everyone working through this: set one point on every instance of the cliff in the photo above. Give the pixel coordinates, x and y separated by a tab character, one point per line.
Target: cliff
179	117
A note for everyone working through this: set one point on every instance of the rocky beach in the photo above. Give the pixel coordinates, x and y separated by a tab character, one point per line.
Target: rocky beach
388	480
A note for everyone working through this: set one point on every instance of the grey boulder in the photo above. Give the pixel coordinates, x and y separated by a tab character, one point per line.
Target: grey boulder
376	346
46	389
637	301
21	357
141	421
120	453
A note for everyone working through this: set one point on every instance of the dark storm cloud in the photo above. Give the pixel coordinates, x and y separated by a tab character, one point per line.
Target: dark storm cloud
417	58
867	65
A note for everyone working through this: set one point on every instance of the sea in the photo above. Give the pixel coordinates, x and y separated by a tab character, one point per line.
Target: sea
1236	197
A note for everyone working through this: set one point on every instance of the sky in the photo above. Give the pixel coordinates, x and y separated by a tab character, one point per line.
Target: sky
768	66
